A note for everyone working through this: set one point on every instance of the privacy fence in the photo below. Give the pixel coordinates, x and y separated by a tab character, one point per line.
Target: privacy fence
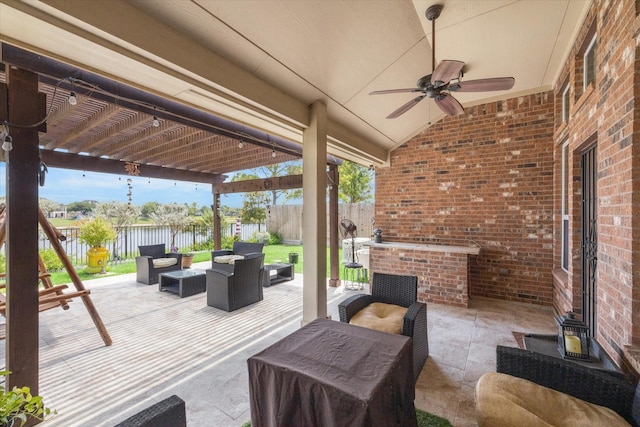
287	220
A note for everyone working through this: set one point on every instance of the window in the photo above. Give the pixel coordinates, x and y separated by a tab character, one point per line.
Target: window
565	205
590	63
565	104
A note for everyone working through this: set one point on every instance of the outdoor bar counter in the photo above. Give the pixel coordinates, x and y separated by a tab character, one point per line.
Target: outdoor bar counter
442	270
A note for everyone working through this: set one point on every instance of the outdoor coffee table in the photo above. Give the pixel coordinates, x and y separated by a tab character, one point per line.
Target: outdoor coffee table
183	282
283	272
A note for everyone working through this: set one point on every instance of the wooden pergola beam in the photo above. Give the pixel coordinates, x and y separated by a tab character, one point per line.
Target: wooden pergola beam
262	184
96	164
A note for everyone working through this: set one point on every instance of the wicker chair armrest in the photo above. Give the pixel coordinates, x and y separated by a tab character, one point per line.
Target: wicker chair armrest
592	385
175	255
415	313
349	307
170	412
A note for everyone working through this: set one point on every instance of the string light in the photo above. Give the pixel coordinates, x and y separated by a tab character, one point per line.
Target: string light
73	98
273	152
155	122
240	144
7	140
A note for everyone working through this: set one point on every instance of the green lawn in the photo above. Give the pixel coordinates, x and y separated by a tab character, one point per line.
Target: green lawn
272	254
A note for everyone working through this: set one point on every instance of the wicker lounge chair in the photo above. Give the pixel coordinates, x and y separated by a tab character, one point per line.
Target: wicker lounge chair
606	388
401	291
153	260
240	249
231	291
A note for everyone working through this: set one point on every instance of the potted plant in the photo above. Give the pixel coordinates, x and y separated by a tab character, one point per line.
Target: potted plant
20	404
96	233
187	257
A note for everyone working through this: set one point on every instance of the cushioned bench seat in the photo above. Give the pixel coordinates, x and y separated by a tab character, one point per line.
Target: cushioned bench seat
503	400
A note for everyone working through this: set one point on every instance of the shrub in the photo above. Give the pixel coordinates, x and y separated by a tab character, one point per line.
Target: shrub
51	260
261	237
227	242
97	232
275	238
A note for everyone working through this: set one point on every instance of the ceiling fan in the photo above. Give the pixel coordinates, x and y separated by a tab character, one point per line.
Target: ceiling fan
438	85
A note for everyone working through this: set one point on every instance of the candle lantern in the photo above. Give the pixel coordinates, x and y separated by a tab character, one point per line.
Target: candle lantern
573	338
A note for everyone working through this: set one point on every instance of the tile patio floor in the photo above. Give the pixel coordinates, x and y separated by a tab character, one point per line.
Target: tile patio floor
165	345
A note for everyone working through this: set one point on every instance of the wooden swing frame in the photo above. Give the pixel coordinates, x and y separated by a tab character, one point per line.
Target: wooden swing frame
51	296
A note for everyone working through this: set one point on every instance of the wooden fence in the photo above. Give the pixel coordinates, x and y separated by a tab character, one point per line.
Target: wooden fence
287	220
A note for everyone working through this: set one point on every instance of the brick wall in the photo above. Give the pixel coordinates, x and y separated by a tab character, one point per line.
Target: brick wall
605	114
484	177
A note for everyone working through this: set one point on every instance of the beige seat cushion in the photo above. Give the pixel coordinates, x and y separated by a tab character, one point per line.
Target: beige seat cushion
227	259
164	262
505	401
380	316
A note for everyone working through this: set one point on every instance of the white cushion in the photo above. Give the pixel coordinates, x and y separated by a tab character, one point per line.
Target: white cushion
227	259
164	262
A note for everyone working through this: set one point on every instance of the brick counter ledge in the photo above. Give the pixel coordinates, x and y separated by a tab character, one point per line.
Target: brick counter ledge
442	270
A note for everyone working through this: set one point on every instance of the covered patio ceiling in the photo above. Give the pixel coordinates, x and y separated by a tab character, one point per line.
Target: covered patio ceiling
260	64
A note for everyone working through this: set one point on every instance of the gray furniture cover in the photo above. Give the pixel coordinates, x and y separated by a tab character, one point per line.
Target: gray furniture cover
239	248
145	271
398	290
231	291
333	374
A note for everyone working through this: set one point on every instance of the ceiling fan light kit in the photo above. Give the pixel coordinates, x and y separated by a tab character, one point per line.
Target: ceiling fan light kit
438	85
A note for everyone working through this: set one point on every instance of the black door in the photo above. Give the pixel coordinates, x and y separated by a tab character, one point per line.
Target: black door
589	237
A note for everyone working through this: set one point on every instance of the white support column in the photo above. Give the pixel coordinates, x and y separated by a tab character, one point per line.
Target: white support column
314	215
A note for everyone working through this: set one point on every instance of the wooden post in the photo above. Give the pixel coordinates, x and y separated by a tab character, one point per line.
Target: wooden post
217	223
23	162
334	243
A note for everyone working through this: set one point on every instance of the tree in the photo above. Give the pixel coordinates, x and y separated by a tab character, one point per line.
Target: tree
355	183
282	169
175	216
149	209
253	206
84	207
48	206
119	214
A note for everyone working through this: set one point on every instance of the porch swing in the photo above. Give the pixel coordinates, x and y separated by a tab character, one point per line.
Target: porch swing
52	296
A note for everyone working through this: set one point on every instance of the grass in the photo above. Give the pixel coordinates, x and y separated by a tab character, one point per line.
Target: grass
272	254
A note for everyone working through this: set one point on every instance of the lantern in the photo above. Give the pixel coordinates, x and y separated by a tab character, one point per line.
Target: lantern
573	338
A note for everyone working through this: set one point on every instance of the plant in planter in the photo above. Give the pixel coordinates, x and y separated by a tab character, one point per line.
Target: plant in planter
20	404
96	233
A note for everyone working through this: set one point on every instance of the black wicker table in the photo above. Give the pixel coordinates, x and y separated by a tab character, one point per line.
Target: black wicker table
548	344
283	273
183	282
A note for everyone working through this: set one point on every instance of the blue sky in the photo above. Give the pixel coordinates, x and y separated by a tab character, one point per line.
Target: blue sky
66	186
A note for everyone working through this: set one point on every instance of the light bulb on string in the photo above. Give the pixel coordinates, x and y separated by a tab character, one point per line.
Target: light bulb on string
273	153
7	144
73	98
155	122
240	144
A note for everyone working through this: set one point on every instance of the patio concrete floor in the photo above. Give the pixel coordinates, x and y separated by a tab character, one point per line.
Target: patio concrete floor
164	345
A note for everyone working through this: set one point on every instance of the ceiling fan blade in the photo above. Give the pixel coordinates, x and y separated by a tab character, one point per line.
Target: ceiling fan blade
449	105
483	85
406	107
382	92
445	71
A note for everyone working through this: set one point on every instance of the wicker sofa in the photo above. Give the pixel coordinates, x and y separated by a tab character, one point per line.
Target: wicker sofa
530	389
240	249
